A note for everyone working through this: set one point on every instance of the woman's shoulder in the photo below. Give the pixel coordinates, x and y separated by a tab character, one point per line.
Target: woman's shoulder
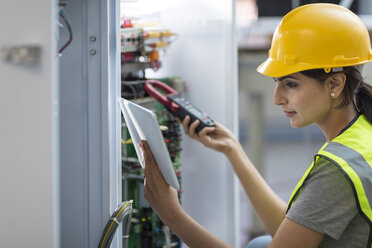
325	173
327	205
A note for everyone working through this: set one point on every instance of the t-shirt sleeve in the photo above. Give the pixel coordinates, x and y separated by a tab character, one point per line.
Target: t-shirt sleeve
326	203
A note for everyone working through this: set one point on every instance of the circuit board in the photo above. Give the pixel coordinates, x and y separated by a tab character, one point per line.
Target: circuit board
147	230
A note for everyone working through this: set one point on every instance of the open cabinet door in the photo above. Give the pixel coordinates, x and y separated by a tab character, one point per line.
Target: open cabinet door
89	126
28	129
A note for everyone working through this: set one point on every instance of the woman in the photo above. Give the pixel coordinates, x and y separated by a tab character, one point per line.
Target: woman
315	59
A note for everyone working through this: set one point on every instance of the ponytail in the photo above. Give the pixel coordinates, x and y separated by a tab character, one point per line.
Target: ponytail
363	101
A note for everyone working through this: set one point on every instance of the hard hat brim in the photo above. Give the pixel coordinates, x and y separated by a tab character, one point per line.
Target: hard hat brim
273	68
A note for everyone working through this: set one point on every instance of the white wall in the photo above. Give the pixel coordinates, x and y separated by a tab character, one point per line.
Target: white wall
28	128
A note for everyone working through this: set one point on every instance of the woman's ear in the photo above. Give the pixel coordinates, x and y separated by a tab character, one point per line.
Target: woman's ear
337	84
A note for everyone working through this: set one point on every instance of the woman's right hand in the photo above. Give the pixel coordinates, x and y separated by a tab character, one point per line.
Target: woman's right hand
218	138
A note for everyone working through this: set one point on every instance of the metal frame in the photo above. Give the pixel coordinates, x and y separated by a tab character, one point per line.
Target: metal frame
89	123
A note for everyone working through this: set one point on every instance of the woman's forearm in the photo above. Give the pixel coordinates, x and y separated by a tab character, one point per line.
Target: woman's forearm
269	207
192	233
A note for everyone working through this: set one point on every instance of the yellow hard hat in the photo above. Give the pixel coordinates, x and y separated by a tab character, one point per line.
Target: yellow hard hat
315	36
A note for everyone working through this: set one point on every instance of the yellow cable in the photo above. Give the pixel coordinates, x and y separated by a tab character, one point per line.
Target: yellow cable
129	141
108	230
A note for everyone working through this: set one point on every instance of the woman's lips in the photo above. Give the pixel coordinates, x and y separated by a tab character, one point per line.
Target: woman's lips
289	113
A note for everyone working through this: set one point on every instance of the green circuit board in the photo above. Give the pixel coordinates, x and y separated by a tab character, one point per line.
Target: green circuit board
147	230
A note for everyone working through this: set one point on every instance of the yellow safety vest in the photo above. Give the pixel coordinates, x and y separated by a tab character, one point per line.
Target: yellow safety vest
351	152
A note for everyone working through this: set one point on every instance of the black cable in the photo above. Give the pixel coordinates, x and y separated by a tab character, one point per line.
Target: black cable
123	211
62	15
133	89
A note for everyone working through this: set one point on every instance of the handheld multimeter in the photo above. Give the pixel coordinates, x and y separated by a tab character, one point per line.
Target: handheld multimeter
176	105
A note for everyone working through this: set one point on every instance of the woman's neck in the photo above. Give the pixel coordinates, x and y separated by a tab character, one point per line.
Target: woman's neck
337	120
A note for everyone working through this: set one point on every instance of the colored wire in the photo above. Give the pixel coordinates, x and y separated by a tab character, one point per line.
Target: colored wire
123	212
63	16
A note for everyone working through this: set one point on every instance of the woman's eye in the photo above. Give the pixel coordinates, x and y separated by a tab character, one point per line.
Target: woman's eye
290	84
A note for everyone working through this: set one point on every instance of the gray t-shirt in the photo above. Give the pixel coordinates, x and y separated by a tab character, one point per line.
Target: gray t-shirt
327	205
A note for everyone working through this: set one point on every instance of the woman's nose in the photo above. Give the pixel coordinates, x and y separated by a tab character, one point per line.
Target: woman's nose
278	96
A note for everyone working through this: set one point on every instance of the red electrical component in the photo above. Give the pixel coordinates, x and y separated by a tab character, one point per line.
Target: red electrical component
149	87
127	23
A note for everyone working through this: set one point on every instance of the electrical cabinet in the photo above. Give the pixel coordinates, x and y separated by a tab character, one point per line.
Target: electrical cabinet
140	48
203	55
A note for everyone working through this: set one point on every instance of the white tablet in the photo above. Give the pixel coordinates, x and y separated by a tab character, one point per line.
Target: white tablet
142	124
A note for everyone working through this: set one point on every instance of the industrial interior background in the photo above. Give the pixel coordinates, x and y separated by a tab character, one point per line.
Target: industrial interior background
61	171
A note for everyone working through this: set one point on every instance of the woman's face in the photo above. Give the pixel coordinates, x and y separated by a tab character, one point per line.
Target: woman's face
304	100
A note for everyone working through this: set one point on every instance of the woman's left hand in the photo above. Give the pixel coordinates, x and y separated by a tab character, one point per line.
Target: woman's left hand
164	201
162	197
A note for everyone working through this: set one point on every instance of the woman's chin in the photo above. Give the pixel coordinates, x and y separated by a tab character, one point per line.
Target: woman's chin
298	124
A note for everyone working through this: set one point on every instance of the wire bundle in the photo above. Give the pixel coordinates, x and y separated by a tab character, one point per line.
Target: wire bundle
122	213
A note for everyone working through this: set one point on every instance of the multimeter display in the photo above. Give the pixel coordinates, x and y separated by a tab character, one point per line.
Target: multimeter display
186	108
195	112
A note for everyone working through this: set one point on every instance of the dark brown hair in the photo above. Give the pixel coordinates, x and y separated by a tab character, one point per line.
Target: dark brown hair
355	89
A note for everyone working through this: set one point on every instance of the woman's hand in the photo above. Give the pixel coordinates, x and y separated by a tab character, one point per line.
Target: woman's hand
218	138
164	201
162	197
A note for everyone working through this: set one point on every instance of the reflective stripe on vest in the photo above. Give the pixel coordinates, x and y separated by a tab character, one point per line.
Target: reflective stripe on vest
351	152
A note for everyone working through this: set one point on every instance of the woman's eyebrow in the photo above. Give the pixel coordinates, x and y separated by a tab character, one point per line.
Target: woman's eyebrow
284	77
